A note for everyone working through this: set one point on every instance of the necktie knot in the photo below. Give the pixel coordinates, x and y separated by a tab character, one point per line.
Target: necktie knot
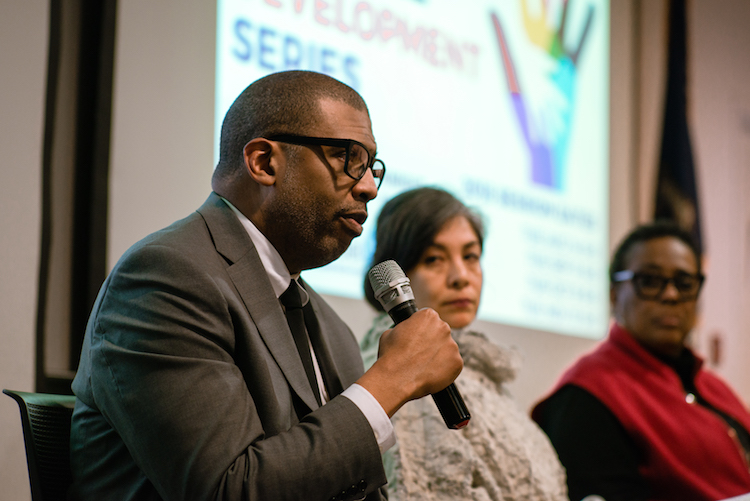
291	298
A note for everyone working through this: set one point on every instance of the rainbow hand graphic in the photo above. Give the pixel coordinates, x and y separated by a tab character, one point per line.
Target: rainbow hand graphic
545	113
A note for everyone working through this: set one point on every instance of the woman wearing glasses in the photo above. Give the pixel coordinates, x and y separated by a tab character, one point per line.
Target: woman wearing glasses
501	454
639	418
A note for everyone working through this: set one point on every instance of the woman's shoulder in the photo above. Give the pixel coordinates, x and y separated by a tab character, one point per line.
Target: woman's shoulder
370	343
499	363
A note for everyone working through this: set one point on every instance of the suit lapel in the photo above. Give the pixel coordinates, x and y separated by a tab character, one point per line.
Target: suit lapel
251	280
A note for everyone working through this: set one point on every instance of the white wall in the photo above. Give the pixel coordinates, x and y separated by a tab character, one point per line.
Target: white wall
720	119
162	116
23	59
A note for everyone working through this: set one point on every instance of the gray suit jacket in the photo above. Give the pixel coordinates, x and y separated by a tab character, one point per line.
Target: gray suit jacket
190	385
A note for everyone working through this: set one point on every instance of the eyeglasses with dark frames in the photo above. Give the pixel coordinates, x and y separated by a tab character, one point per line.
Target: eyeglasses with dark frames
650	286
357	158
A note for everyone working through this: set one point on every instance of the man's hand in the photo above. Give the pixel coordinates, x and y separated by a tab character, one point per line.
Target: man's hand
418	357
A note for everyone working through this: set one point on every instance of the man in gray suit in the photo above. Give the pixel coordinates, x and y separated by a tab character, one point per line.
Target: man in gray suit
191	384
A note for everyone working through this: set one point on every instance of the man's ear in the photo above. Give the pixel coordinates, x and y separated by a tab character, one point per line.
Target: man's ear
259	159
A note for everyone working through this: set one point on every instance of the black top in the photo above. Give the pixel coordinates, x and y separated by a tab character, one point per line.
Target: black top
597	453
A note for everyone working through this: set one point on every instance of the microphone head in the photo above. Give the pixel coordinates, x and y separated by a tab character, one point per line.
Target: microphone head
390	285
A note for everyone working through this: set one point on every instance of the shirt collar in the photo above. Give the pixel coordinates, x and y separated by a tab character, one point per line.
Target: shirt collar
276	269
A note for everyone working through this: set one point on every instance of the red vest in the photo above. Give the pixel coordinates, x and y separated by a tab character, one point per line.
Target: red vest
688	452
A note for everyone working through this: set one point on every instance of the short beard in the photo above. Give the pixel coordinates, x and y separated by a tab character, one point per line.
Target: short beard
300	227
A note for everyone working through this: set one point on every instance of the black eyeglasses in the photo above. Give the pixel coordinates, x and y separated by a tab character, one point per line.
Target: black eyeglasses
351	153
650	286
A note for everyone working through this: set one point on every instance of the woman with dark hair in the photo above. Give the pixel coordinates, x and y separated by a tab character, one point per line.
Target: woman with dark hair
501	454
640	417
406	229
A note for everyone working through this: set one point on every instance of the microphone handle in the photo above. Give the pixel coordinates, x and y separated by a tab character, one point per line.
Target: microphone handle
449	401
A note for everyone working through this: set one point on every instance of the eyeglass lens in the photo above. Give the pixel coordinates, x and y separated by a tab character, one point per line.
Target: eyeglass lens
359	160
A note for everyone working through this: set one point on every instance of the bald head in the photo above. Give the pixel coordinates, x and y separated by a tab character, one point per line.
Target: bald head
287	102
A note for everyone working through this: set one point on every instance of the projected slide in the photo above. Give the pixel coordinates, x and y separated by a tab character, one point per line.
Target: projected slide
502	102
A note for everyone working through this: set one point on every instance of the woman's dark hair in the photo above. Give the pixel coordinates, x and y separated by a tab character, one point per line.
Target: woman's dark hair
646	232
407	225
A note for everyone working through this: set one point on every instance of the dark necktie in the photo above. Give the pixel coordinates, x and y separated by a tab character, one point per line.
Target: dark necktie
325	361
296	319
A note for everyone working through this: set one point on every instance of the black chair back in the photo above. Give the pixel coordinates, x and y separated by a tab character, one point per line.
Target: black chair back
45	420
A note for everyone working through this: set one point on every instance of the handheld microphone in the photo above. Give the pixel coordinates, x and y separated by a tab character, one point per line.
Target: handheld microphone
393	290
